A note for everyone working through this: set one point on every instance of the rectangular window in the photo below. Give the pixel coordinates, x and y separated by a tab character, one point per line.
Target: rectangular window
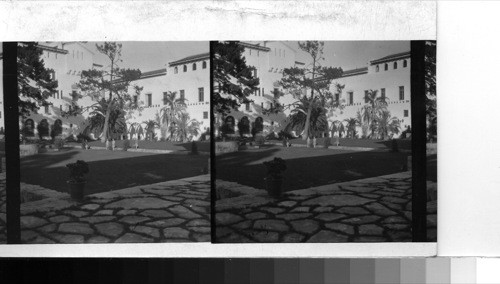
247	106
351	98
262	105
149	99
406	113
60	107
366	97
257	92
201	95
61	96
337	97
205	115
401	93
275	93
263	91
382	93
47	111
182	94
135	99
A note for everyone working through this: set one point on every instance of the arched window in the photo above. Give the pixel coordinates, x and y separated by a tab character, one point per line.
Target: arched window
377	68
185	68
204	65
395	65
176	70
405	63
386	67
194	66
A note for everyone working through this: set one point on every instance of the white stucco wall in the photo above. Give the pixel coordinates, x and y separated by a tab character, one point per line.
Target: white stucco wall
68	69
269	65
391	80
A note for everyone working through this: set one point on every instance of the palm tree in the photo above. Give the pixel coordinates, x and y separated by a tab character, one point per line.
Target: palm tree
185	128
387	125
337	126
298	118
372	110
351	126
151	125
171	111
96	120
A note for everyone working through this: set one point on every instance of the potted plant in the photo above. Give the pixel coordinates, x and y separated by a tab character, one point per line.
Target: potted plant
274	179
76	180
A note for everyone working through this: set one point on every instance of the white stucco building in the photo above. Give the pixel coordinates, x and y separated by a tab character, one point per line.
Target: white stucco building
189	77
390	75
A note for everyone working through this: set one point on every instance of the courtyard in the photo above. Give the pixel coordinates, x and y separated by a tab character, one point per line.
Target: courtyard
111	170
308	167
357	194
130	197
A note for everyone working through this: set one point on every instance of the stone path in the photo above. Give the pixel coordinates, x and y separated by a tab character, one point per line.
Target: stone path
172	211
3	209
369	210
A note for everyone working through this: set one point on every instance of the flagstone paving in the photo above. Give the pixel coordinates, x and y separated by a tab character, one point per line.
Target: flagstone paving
369	210
172	211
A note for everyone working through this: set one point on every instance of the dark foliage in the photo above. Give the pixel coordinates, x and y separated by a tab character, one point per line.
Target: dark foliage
233	79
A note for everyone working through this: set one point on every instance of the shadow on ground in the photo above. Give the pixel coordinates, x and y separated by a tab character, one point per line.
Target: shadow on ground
110	170
307	167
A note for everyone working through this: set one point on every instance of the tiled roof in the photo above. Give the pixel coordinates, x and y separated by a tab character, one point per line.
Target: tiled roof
149	74
254	46
391	57
353	72
190	59
154	73
53	49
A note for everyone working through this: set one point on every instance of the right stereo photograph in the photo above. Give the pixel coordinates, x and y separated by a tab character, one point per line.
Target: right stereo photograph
324	141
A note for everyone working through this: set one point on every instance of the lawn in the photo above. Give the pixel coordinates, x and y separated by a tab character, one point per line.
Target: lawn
158	145
110	170
307	167
364	143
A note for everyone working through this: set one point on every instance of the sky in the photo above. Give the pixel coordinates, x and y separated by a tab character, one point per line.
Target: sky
148	56
353	54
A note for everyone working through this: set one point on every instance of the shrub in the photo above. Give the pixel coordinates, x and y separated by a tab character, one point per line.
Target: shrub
259	140
77	170
126	144
194	148
326	142
58	143
275	167
284	135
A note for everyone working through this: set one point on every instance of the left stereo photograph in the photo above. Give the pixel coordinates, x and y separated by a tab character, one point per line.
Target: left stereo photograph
114	142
